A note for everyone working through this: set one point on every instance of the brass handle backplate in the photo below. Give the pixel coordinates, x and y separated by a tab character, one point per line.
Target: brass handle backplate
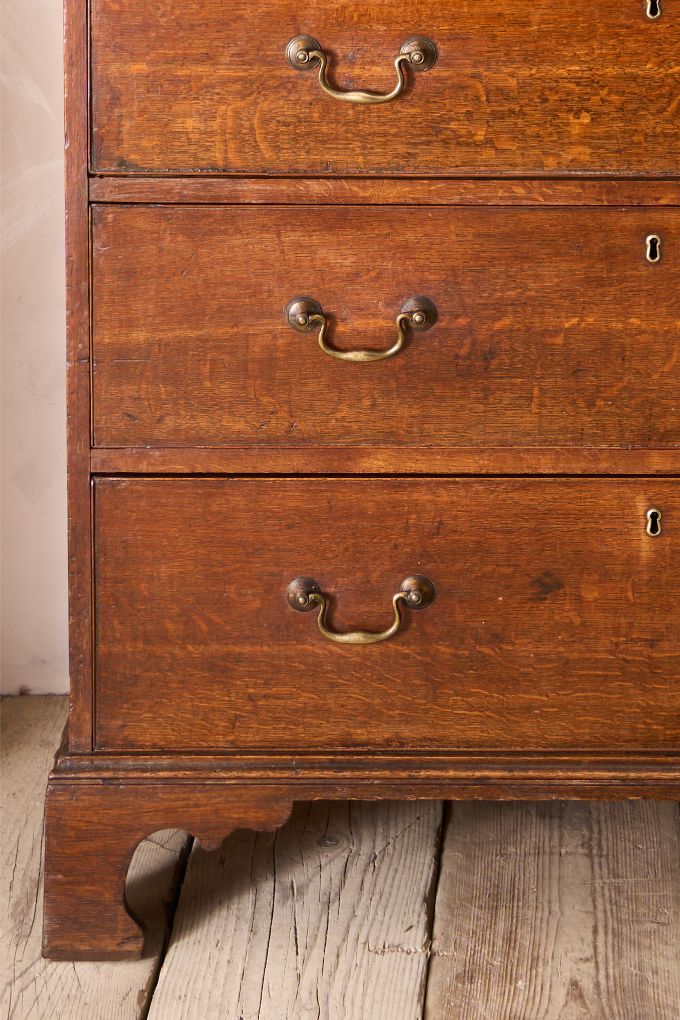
305	595
304	54
305	315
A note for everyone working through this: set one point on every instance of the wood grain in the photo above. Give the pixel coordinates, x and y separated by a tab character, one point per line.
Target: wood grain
614	871
377	769
381	460
78	372
457	775
552	328
553	627
557	910
548	663
32	988
372	191
548	88
328	917
91	833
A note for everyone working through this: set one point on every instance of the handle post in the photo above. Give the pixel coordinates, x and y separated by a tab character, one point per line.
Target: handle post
304	53
304	595
305	315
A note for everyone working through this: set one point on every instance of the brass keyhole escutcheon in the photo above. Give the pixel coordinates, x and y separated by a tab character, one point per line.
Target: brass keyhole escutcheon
653	522
653	9
653	242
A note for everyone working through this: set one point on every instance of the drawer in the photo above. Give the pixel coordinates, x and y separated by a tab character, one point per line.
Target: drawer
551	87
553	329
554	623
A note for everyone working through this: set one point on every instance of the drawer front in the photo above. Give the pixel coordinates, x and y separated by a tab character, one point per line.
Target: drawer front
550	87
553	328
554	623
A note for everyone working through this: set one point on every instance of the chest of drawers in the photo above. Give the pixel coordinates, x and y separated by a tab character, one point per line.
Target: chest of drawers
373	356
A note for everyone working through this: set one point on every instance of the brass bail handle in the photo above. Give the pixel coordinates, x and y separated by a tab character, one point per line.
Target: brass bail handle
305	595
304	54
305	315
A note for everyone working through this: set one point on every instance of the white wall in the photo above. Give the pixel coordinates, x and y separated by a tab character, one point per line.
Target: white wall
34	613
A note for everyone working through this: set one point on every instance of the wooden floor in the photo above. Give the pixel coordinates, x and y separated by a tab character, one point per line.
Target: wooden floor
390	911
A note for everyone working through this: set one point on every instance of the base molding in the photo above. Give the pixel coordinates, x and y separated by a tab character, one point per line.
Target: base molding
100	807
361	775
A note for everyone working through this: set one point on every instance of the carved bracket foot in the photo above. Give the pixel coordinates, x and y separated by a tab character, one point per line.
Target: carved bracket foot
91	833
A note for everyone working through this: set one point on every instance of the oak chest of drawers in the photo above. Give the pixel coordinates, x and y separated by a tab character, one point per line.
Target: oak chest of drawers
373	359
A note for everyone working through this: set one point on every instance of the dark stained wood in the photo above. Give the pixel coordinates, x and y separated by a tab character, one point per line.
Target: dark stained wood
33	989
93	825
353	191
553	327
91	833
385	460
548	88
458	775
78	373
547	665
553	627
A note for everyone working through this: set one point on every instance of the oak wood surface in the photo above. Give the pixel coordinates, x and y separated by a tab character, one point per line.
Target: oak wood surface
561	910
457	775
91	833
553	626
554	629
329	917
78	371
554	87
553	327
32	988
381	460
371	191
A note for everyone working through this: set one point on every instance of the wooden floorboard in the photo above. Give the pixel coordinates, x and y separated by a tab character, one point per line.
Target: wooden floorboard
32	988
563	910
328	918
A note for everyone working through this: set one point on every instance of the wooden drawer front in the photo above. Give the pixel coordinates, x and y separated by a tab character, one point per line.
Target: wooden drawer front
553	329
550	87
554	625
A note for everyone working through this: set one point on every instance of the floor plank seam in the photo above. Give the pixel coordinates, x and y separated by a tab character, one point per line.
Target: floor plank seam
271	922
182	865
432	898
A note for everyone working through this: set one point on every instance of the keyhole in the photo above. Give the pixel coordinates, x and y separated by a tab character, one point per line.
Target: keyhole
653	522
653	248
653	9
